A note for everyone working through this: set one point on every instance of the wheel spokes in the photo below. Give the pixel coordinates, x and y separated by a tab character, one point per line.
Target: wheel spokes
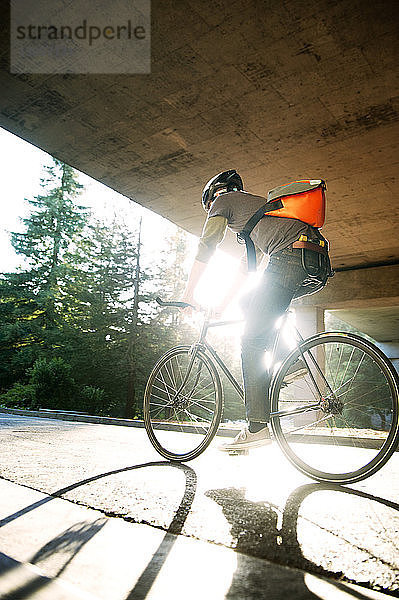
348	434
183	406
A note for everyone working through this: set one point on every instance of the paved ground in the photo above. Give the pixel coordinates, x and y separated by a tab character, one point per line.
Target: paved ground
258	505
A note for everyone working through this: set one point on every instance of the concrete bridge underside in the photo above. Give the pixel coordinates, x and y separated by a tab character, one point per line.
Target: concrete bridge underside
280	90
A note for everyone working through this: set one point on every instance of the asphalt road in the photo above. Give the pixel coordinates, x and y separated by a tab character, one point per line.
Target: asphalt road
258	504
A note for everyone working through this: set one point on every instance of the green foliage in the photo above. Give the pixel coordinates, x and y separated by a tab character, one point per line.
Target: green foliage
92	400
31	298
76	325
53	383
19	396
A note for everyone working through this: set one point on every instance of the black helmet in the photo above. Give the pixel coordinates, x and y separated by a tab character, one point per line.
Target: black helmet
227	179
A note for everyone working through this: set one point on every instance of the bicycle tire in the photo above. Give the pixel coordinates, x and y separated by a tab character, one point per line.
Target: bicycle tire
181	424
356	424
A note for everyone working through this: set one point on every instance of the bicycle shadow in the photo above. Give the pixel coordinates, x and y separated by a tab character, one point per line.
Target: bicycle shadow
254	527
64	547
68	543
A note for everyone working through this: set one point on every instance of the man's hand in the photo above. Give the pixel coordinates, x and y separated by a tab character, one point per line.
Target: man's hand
188	310
217	311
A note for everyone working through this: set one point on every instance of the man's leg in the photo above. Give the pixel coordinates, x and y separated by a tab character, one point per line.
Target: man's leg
268	304
280	284
263	307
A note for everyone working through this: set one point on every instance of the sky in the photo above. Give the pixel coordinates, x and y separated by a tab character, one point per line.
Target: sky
22	167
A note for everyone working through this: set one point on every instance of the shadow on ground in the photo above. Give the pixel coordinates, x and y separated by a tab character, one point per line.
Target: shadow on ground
254	527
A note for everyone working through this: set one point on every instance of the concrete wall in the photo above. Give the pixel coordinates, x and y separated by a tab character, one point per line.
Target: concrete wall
368	299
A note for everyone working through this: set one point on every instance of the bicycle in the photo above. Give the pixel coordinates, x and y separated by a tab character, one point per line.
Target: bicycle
337	422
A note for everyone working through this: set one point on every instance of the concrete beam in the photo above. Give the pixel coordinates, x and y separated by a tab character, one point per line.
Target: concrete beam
360	288
380	323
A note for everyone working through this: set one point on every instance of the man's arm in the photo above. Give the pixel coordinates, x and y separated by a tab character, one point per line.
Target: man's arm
212	234
194	277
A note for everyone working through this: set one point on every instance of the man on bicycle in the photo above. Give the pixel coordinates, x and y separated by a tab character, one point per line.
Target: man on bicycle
229	206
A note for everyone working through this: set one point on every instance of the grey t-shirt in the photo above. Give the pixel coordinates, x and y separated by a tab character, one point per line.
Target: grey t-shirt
270	234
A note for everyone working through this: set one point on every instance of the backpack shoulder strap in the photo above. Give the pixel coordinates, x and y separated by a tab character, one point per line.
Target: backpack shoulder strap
245	234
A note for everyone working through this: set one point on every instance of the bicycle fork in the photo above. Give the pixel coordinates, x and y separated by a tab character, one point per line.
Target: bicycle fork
192	353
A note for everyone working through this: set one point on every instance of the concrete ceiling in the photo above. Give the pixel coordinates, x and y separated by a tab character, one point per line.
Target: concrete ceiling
279	89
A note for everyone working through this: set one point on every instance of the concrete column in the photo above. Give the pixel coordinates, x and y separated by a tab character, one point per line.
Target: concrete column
309	320
391	349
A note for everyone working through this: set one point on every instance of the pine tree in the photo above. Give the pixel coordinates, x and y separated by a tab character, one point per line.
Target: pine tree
30	299
172	276
107	338
52	226
82	299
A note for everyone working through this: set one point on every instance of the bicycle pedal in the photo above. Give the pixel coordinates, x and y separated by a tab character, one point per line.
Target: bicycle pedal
238	452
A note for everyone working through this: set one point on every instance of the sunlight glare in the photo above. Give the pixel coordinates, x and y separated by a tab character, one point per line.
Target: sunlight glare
288	332
182	564
268	359
218	274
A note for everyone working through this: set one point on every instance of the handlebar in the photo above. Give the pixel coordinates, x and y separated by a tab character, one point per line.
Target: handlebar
174	303
207	313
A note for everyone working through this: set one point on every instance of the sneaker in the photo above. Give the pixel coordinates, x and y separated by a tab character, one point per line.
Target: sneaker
297	370
246	440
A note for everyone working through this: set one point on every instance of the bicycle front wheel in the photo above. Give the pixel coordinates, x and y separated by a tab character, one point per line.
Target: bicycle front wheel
336	418
182	404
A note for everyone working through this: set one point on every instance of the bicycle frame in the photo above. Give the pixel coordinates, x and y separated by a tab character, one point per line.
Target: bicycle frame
203	344
328	354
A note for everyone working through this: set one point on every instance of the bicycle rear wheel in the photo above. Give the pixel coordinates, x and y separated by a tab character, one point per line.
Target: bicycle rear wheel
182	404
338	422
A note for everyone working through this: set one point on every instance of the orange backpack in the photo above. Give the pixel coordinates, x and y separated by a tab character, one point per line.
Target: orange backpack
304	200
